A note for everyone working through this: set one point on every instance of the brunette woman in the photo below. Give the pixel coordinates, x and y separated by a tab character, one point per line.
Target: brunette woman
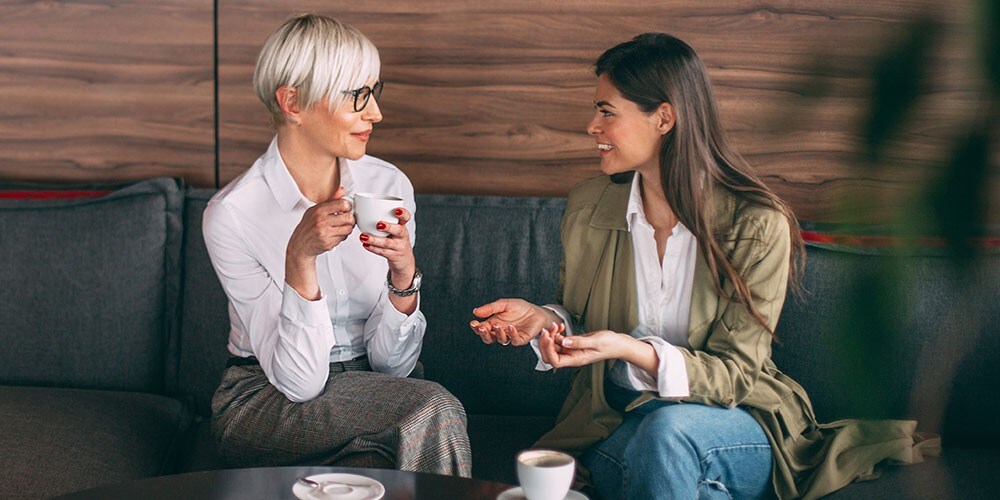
675	269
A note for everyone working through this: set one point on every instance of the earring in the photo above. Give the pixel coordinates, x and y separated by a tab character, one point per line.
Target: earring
292	120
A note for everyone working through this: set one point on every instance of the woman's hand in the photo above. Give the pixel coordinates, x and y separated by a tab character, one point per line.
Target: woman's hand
398	252
395	248
578	350
511	321
323	226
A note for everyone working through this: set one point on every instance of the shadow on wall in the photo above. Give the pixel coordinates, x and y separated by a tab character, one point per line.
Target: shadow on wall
946	213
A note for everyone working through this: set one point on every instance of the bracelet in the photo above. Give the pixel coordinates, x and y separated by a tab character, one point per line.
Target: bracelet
414	287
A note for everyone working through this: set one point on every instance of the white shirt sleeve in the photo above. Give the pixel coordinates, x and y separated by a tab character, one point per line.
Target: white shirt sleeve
671	375
290	336
394	339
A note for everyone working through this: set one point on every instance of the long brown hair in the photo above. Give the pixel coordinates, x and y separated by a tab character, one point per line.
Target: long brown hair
696	158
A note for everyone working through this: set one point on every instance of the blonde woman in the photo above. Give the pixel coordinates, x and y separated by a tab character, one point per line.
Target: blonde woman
325	320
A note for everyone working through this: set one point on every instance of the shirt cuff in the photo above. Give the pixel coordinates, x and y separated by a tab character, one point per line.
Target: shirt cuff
397	321
541	365
302	311
671	374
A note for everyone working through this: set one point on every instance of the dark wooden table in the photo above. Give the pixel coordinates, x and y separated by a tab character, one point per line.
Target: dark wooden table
275	483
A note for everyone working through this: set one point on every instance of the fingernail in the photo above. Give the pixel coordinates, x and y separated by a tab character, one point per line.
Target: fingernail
365	245
399	212
380	226
364	237
567	342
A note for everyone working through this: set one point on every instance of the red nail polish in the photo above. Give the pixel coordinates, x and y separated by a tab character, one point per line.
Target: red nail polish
364	237
399	212
364	245
380	226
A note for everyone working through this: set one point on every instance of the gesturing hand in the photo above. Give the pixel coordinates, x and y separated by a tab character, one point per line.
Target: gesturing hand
511	321
578	350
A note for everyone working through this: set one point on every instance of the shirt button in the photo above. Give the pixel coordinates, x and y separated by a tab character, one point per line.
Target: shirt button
342	291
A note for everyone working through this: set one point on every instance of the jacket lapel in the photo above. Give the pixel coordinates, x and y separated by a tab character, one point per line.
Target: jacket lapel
613	291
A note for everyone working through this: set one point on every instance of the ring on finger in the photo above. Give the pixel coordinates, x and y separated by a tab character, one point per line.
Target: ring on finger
505	343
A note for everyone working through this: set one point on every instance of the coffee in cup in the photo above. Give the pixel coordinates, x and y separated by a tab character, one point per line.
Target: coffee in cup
545	474
370	208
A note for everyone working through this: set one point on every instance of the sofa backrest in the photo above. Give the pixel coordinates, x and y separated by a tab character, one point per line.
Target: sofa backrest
92	281
90	284
204	319
929	357
910	337
473	250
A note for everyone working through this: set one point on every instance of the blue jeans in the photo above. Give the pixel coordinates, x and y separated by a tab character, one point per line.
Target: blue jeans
682	451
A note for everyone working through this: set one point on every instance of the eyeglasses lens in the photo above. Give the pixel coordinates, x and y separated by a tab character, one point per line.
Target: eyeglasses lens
365	93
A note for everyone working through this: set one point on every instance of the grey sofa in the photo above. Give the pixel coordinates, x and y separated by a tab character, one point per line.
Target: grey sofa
113	330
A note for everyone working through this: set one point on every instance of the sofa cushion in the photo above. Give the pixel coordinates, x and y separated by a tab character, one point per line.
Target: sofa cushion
82	438
89	296
472	250
889	332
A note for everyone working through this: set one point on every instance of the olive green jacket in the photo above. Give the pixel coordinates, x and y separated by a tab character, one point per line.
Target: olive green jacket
729	363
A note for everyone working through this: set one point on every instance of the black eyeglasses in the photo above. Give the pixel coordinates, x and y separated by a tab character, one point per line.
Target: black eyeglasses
362	95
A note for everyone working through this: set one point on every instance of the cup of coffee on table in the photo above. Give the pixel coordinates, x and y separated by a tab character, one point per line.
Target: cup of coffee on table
370	208
545	474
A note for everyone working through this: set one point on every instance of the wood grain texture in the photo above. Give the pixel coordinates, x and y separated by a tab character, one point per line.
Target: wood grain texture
482	97
107	90
494	97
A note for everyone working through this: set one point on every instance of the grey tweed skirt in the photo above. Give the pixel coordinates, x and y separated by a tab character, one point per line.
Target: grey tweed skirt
362	419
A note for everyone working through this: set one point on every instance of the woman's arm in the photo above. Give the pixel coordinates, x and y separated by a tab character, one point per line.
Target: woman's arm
578	350
290	335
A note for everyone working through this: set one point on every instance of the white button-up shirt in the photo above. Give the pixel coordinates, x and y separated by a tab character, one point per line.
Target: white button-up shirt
247	226
664	293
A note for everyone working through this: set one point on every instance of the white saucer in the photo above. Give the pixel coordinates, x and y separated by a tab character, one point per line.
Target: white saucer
371	489
518	494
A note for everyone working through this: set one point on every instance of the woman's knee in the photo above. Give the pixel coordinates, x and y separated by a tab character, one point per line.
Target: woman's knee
428	396
670	426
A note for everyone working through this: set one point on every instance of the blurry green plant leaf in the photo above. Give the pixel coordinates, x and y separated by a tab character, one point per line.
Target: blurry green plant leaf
899	78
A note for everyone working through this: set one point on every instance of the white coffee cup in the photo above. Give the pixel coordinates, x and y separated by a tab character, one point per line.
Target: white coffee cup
545	474
370	208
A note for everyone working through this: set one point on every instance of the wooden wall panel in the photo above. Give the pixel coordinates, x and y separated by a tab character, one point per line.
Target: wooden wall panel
493	97
107	90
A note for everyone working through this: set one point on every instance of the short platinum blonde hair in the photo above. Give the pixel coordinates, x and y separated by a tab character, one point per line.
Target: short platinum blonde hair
319	56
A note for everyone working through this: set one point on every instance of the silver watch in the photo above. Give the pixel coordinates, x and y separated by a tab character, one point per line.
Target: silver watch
414	288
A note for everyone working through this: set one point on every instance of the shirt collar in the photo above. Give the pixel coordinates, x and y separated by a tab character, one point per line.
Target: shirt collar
286	192
610	208
634	211
347	179
634	207
279	179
